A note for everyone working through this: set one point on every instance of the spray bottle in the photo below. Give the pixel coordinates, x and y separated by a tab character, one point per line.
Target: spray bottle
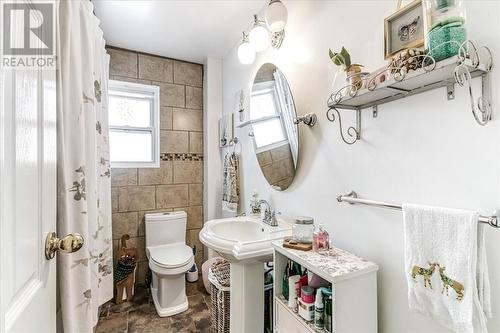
319	311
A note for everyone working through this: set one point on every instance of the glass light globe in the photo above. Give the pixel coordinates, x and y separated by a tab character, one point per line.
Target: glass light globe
276	16
246	53
259	37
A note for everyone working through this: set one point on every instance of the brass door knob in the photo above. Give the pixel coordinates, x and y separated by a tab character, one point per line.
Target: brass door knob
70	243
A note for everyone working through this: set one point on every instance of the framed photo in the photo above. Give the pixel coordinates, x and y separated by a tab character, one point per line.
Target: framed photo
404	29
226	130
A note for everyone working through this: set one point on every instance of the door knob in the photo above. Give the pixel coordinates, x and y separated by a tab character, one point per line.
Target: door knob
70	243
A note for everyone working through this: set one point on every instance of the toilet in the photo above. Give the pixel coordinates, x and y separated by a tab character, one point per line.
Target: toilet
169	259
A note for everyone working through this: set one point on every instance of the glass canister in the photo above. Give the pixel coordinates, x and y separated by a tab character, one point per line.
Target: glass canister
445	28
302	229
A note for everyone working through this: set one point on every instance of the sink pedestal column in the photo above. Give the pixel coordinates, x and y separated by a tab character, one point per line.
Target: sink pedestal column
247	297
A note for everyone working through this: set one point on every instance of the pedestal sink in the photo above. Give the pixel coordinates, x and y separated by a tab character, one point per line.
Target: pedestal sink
246	243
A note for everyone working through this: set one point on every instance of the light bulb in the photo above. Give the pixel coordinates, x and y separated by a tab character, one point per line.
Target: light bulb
259	36
276	16
246	52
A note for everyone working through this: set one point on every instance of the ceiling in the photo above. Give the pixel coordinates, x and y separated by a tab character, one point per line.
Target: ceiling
182	29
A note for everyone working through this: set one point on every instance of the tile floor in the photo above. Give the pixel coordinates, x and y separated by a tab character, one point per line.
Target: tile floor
140	314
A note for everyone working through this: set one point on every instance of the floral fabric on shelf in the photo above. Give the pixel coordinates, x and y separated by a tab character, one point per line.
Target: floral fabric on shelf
84	190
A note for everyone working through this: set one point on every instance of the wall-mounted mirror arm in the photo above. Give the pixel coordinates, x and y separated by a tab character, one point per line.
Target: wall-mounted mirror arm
309	119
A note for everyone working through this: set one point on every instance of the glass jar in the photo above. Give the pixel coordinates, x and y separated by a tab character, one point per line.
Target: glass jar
445	30
302	229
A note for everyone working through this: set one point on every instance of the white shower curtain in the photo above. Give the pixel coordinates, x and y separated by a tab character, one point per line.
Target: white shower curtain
84	190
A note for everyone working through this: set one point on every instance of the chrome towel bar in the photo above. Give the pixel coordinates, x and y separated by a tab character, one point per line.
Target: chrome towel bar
352	198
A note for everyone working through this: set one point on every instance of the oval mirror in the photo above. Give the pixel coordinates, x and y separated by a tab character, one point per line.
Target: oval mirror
275	134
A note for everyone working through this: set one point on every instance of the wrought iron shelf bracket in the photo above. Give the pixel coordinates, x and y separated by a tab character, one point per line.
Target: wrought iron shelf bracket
471	62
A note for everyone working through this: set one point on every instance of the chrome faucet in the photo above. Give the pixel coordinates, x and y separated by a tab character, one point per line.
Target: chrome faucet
269	215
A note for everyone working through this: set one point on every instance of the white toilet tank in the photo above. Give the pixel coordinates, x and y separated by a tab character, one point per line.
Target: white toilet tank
165	228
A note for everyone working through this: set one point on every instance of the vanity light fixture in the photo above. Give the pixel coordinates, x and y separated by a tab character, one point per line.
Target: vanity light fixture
259	35
276	16
264	33
246	52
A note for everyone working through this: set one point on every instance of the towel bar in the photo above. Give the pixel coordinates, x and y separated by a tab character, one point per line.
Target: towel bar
352	198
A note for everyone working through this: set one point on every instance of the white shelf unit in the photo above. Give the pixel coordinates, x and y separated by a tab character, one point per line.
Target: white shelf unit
354	288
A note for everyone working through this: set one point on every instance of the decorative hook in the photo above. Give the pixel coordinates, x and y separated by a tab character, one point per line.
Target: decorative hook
351	131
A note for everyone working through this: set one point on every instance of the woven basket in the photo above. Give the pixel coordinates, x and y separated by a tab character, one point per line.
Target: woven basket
219	275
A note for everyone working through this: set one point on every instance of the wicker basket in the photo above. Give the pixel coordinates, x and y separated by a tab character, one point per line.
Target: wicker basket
219	275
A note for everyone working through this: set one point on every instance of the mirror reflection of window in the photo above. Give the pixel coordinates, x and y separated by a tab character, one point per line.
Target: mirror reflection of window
266	117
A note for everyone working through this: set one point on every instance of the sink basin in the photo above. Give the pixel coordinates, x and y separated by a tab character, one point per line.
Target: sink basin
243	238
246	243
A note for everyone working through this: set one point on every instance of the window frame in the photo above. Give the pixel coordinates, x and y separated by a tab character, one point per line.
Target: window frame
262	88
132	88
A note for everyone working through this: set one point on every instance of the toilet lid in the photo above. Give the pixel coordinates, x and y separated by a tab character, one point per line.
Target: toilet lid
171	255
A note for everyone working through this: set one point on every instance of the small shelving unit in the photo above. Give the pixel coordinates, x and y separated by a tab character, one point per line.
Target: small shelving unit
354	288
400	84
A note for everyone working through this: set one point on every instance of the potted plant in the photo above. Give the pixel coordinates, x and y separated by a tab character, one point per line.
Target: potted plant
353	71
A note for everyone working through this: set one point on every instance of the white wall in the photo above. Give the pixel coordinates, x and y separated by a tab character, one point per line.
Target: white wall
423	149
212	192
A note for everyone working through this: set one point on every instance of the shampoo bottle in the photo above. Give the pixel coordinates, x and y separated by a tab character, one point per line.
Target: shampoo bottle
319	311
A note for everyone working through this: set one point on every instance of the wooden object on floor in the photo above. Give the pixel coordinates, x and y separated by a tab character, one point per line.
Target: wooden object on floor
297	246
124	275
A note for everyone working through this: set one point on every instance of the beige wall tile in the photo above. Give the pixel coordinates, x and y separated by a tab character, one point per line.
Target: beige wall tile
195	217
166	114
142	270
141	231
192	238
195	194
174	141
169	196
188	120
188	73
172	94
196	142
114	200
194	98
130	79
155	68
122	63
281	153
188	172
157	176
264	158
134	198
123	176
124	223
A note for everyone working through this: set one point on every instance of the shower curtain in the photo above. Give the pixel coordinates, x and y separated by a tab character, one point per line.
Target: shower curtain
85	277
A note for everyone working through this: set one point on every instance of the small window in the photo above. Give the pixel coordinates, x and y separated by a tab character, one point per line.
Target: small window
134	136
266	120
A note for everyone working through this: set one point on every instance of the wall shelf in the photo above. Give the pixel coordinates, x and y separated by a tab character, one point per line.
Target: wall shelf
399	84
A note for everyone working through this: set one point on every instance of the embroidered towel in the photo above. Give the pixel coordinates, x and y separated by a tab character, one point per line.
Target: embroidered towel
445	266
231	185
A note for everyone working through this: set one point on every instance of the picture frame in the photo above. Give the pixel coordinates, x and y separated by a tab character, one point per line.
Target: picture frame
404	29
226	130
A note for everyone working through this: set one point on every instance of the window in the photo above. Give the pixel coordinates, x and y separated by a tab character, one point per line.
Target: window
265	116
134	136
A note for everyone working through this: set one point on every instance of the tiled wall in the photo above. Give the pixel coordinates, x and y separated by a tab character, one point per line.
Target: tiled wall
277	165
178	183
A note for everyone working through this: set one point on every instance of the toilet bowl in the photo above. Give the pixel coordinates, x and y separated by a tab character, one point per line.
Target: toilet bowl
169	259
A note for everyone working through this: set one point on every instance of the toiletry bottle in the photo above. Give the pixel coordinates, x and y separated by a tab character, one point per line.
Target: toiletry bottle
254	204
293	282
319	311
321	239
328	314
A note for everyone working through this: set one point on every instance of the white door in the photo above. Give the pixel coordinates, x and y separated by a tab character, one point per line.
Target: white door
27	199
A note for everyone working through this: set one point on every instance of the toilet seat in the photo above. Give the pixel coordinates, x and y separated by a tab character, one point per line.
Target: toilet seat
171	255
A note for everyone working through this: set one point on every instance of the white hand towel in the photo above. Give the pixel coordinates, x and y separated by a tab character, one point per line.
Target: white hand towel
445	266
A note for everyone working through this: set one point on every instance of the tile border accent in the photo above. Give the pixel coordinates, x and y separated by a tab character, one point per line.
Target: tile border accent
180	157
